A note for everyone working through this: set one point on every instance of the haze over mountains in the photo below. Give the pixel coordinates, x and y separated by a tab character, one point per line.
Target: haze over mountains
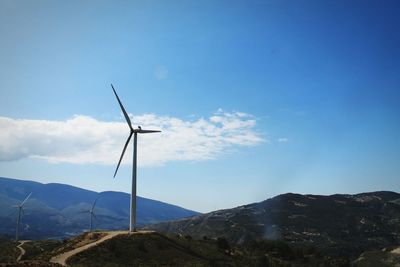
59	210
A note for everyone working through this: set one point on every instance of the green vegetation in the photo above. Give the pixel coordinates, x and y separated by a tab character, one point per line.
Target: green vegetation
8	250
382	258
40	250
139	250
44	250
340	226
280	253
155	249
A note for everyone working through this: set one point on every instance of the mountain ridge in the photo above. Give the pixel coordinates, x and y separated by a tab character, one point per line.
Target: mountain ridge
63	207
355	223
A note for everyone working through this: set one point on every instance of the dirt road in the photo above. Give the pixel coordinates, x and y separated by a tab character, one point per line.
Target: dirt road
62	258
396	251
21	242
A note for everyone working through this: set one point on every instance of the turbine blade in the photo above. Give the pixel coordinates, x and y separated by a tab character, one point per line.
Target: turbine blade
128	120
149	131
11	213
123	152
23	202
94	204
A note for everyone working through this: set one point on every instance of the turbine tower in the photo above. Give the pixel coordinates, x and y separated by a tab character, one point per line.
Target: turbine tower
134	132
91	211
20	210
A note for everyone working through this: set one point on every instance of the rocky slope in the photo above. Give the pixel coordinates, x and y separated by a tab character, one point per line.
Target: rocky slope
338	224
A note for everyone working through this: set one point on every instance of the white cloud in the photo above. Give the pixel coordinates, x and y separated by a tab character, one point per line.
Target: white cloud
283	140
83	139
161	72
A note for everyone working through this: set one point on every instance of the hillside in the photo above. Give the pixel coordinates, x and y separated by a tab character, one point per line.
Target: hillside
341	225
156	249
58	210
287	230
383	258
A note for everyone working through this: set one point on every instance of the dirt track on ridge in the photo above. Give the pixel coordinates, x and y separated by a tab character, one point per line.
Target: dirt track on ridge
62	258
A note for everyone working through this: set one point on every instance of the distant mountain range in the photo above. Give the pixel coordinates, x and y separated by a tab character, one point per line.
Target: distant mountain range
339	225
59	210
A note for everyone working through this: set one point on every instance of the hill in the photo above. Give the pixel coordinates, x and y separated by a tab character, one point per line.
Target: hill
339	225
287	230
59	210
156	249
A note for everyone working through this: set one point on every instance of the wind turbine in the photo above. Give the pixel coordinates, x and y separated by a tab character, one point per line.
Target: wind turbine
91	212
134	132
20	210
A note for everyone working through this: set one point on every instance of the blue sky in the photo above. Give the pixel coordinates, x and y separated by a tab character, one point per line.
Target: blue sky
317	81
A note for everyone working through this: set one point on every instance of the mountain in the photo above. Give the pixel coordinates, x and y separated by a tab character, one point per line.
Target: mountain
339	225
287	230
59	210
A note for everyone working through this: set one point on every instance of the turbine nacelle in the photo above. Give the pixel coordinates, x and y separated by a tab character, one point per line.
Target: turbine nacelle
142	131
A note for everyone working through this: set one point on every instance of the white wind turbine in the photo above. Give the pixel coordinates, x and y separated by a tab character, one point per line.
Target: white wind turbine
134	132
91	212
20	210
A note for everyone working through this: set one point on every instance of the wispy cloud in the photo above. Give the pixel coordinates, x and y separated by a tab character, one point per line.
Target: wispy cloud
283	140
83	139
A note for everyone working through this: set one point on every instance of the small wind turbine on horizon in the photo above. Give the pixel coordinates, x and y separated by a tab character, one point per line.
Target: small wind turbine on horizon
91	212
20	210
134	132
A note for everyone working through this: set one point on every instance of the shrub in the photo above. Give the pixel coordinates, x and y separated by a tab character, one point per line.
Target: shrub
222	243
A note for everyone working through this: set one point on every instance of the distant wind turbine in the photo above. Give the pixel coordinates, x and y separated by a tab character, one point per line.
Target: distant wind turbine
134	132
91	211
20	210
